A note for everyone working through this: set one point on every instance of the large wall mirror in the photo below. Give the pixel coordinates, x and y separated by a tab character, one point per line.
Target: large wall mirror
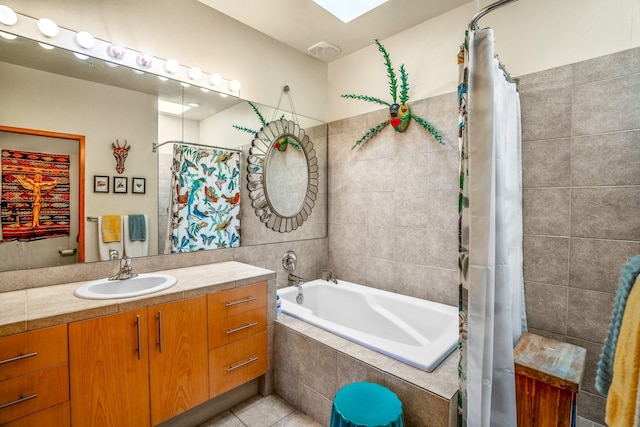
59	92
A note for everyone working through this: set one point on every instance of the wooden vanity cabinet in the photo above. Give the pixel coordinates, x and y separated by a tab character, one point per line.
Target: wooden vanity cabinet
34	378
109	362
178	362
237	336
141	367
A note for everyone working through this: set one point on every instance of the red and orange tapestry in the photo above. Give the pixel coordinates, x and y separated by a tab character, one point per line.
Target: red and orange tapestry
35	195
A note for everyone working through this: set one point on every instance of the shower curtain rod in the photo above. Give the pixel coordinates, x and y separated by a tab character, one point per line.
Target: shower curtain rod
156	146
473	25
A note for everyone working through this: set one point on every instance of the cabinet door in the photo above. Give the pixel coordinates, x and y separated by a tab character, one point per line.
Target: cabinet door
109	371
178	359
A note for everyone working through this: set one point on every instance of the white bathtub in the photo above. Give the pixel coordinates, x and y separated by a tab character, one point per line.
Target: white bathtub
418	332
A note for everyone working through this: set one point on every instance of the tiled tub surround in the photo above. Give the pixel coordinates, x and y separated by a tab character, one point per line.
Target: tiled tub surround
311	365
393	204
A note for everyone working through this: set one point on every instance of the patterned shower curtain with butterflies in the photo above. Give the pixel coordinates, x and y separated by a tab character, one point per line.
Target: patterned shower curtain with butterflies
205	199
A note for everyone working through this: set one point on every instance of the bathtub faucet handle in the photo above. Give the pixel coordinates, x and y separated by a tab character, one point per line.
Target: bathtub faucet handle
328	276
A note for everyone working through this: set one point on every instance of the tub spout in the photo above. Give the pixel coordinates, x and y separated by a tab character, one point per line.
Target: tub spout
298	281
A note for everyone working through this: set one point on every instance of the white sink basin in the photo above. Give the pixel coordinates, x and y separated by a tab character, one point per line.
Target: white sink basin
143	284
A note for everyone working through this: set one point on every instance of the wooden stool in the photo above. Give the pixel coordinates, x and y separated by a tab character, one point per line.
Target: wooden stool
366	405
548	377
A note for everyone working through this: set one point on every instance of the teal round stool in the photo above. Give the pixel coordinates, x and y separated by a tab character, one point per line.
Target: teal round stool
366	405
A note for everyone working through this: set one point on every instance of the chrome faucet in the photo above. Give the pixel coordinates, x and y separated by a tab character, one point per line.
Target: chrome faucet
125	270
298	281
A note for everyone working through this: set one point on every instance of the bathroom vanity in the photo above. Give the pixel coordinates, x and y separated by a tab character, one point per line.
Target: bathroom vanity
137	361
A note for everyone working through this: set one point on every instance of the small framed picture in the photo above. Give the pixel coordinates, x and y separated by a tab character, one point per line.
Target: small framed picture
119	184
138	185
100	184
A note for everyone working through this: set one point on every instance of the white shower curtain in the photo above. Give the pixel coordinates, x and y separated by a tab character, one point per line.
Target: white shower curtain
492	313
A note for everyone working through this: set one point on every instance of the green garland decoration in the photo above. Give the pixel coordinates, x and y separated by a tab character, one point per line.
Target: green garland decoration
393	82
370	134
244	129
366	98
285	142
429	128
255	109
404	88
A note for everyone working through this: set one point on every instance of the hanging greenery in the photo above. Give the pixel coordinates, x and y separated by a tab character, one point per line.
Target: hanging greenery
282	143
399	114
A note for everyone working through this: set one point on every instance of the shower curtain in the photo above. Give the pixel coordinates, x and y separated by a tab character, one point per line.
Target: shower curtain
492	312
204	208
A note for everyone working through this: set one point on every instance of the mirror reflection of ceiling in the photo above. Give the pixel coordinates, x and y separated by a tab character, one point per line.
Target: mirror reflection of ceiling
27	53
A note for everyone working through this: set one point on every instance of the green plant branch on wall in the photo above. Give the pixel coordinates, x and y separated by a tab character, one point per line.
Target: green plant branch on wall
399	114
281	144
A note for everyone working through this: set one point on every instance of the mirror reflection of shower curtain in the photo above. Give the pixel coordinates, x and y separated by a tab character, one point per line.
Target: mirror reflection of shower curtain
492	311
204	211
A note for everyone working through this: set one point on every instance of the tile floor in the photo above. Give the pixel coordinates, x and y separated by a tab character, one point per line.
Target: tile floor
273	411
270	411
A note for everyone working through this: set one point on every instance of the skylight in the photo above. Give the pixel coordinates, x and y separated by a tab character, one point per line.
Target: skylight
348	10
171	107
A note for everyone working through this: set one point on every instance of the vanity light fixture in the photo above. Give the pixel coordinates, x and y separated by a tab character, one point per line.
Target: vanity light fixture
7	15
46	46
234	85
215	79
172	66
7	36
85	40
116	50
144	60
47	27
110	64
195	73
81	56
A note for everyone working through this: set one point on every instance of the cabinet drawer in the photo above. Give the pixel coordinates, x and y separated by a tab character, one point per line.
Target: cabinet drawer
238	300
233	328
32	351
237	363
33	392
58	416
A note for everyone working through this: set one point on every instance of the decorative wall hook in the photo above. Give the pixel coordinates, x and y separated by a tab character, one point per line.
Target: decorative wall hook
399	113
120	153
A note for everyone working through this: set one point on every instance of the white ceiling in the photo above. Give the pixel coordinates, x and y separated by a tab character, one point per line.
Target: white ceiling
302	23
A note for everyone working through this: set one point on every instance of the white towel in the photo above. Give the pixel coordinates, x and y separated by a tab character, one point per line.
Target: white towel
135	249
103	248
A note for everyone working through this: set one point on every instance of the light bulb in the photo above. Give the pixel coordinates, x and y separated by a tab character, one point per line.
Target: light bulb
195	73
144	59
234	85
116	50
215	79
85	40
48	27
7	15
172	66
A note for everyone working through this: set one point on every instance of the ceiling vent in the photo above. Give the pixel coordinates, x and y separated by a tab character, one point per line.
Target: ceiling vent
324	50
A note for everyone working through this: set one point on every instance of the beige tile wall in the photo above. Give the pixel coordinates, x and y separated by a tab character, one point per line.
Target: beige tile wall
393	204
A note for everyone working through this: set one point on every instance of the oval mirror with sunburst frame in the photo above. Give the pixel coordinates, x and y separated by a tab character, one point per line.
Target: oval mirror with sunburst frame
282	175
